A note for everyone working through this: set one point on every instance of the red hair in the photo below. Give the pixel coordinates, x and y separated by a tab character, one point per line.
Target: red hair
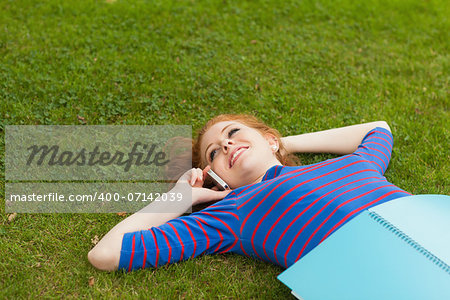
283	157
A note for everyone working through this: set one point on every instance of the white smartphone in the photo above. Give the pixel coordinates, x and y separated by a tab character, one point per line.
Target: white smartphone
221	184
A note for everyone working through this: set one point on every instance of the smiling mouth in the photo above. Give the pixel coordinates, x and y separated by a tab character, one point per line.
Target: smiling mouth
236	155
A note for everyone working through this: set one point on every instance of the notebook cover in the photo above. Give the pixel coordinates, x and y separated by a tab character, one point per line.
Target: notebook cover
425	218
365	259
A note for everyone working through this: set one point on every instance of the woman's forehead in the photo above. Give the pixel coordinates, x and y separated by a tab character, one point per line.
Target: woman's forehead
217	128
214	131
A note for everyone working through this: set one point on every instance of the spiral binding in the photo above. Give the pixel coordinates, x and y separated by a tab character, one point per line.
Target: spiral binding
441	264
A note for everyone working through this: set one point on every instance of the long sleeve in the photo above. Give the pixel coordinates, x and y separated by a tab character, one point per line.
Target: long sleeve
214	229
376	147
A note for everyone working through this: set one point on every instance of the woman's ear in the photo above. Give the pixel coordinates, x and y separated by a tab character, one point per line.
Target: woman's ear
273	141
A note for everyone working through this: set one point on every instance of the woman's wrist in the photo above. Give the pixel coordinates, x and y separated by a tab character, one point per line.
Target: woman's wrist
296	143
184	191
286	144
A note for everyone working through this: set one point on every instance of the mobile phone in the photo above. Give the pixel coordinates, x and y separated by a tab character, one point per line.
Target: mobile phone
222	185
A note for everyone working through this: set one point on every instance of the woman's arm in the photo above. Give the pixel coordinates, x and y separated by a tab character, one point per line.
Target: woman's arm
343	140
106	254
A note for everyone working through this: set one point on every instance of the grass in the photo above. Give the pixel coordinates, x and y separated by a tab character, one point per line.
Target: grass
300	66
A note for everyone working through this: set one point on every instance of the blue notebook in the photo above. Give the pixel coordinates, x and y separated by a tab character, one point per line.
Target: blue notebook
397	250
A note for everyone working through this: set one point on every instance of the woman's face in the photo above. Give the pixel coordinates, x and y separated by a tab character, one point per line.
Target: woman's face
239	154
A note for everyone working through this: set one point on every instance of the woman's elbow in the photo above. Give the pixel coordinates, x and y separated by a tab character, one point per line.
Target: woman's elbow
103	259
383	124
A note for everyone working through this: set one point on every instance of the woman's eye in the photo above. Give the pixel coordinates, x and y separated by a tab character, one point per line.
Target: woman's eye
211	155
232	131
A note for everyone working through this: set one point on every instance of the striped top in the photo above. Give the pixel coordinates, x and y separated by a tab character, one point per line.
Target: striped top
278	220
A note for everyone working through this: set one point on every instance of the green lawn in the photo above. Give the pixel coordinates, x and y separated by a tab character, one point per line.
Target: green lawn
300	66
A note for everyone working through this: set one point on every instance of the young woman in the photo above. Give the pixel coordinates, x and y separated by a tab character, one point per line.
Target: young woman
275	211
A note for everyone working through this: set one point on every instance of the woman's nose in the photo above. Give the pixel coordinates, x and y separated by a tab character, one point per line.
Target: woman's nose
226	144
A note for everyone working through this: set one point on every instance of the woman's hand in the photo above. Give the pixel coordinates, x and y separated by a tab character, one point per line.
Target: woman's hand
196	177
